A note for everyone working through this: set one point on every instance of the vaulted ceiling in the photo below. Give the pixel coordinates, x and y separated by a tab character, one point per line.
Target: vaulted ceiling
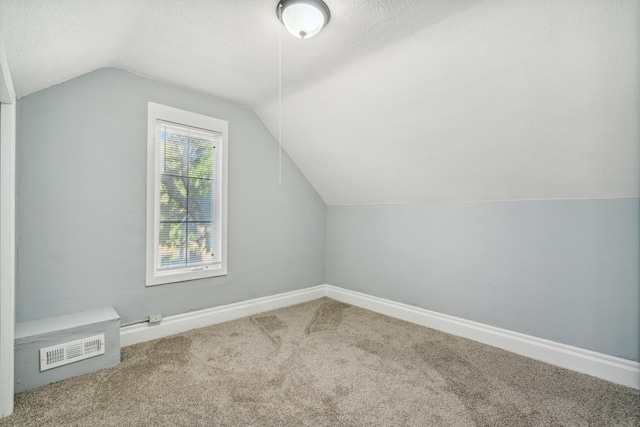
394	101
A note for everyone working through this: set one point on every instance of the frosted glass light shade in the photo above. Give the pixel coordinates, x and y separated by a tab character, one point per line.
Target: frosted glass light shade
303	18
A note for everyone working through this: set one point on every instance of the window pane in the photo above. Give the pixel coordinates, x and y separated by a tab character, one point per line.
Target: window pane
173	153
201	154
200	199
173	198
200	243
172	244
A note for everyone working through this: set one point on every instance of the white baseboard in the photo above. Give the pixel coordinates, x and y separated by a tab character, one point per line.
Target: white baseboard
170	325
610	368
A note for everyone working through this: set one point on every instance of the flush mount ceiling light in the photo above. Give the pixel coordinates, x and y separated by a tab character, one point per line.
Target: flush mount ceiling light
303	18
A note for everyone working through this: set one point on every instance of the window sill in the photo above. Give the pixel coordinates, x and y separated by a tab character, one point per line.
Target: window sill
164	278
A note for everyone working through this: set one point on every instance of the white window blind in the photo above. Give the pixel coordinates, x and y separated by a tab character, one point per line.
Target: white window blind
186	214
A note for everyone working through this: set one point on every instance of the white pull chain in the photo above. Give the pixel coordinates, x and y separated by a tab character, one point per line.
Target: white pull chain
280	101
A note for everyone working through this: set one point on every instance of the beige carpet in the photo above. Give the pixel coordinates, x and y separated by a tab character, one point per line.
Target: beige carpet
325	363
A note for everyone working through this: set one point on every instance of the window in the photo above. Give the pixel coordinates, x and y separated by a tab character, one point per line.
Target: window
186	196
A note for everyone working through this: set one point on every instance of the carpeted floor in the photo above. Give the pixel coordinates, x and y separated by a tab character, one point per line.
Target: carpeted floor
325	363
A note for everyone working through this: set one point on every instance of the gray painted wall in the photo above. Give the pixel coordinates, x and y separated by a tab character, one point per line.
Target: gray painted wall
81	182
564	270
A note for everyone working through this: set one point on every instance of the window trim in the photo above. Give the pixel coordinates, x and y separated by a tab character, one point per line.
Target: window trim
187	118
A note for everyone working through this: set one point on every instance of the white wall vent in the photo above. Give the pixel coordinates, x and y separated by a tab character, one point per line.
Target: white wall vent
62	354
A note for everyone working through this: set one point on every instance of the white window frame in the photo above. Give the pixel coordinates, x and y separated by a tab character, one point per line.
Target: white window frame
154	276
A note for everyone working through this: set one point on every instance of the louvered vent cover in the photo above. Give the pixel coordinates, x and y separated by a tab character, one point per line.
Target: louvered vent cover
62	354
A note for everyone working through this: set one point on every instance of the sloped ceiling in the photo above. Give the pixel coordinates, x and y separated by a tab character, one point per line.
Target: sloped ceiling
403	101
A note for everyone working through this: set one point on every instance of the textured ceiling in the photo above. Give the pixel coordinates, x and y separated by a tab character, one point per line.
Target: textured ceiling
228	48
401	101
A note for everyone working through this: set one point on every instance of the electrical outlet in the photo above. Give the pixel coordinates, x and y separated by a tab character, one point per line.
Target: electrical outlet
155	318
